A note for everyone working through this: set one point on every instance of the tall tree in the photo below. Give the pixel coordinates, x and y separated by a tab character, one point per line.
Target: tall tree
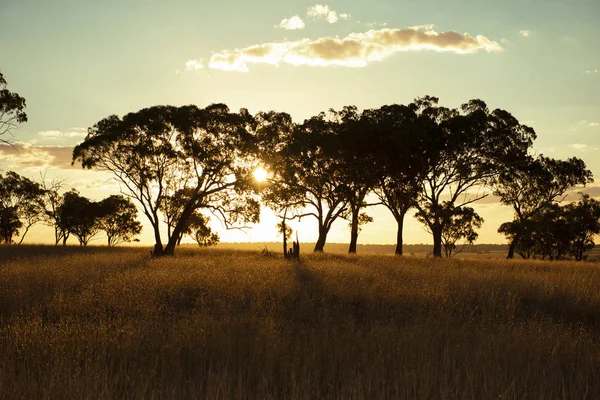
21	205
12	110
163	150
530	185
471	146
118	219
357	161
308	179
399	142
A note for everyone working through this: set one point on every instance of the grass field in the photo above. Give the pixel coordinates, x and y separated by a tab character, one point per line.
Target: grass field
221	324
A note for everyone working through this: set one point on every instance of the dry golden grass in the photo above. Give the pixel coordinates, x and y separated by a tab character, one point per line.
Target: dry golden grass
103	324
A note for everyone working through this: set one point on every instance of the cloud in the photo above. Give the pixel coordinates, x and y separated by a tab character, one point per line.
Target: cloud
354	50
592	71
25	155
194	65
525	33
584	124
573	194
578	146
581	147
373	24
319	11
53	135
293	23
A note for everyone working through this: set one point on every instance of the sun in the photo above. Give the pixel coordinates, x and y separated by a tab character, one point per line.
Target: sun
260	175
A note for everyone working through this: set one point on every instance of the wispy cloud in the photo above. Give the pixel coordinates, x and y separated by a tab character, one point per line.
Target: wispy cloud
591	71
525	33
54	135
28	156
584	124
354	50
319	11
194	65
582	147
293	23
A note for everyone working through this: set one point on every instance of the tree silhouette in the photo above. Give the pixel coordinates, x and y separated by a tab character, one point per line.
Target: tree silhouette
461	225
21	205
12	110
208	154
399	142
200	231
357	160
583	219
470	147
118	218
80	216
52	202
529	185
308	178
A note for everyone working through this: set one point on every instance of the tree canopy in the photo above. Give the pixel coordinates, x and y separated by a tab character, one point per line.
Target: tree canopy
12	110
163	151
529	185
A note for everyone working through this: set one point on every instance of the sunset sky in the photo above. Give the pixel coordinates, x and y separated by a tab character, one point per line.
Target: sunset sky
77	62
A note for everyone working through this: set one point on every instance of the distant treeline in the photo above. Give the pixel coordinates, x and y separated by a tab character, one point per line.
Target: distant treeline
179	163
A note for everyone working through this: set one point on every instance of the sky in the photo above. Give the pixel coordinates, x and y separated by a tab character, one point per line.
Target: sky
77	62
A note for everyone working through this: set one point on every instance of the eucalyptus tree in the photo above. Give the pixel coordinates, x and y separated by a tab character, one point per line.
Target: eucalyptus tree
400	150
461	224
80	216
21	206
161	151
357	163
530	185
471	145
118	219
201	232
308	177
52	202
12	109
583	218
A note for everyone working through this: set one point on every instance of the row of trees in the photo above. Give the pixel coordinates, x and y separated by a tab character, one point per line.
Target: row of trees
24	203
177	160
557	231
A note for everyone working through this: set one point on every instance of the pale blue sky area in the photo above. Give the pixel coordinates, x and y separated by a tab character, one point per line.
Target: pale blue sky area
77	62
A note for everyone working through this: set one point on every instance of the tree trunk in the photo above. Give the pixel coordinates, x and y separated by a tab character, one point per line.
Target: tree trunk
353	232
399	234
25	233
158	247
65	237
513	245
437	242
179	227
284	230
320	245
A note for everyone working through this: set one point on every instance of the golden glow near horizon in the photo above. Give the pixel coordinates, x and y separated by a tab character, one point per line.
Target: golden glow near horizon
260	175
